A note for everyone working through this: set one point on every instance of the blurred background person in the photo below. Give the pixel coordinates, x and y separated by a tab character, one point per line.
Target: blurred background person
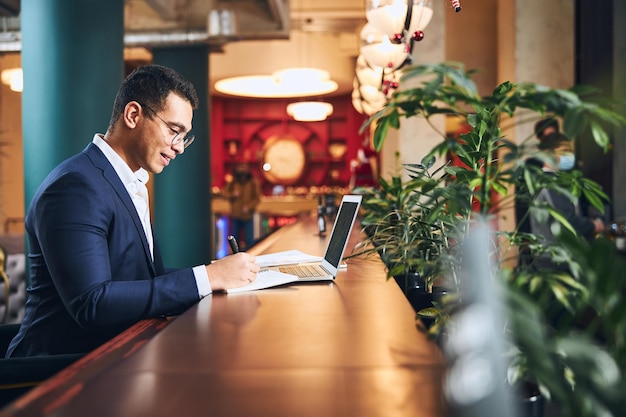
244	194
543	128
546	127
364	169
560	148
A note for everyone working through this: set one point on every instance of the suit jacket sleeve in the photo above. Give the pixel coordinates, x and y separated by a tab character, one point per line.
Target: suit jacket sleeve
87	234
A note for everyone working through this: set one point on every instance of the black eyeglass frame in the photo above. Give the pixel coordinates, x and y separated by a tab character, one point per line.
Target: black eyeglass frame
186	140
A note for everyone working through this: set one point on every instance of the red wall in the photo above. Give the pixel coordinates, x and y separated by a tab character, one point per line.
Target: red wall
240	129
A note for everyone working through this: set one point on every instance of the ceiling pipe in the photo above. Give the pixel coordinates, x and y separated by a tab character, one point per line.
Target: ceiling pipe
12	41
148	39
10	7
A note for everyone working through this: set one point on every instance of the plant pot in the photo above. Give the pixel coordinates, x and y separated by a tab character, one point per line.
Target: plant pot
422	299
410	282
530	402
532	406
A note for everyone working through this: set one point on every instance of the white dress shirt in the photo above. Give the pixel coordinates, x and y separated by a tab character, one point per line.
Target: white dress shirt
135	183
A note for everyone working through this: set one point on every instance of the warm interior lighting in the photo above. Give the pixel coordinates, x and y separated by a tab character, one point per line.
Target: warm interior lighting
287	83
389	16
14	78
387	39
378	50
309	111
367	74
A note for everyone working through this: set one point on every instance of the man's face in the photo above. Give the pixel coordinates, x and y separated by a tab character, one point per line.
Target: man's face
562	150
153	149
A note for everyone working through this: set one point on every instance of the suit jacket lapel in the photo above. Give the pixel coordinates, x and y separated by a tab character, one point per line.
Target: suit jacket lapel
101	162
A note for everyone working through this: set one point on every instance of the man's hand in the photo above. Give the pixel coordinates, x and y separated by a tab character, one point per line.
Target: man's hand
232	271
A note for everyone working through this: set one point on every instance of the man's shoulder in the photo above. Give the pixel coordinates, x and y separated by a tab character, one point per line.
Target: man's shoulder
77	163
81	167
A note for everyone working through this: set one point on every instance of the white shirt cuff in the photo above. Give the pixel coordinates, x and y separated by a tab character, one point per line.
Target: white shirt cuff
202	281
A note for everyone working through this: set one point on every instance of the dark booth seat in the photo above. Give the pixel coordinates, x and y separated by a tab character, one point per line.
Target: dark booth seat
19	375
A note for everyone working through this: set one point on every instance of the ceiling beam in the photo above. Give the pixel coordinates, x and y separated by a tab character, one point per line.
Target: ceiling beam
280	13
9	7
166	9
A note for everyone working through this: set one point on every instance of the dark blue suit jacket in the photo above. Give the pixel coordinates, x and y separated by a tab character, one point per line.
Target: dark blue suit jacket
91	271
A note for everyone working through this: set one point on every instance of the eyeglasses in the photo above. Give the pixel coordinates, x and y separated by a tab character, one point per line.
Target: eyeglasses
186	140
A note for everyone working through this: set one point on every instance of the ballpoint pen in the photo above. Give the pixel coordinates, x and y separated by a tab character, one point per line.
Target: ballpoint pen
232	242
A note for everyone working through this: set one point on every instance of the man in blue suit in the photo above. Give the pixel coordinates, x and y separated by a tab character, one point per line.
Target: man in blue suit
95	266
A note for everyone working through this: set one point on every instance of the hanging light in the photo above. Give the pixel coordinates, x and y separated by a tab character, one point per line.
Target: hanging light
14	78
307	81
286	83
372	87
367	99
386	46
394	17
392	27
378	50
299	80
367	95
367	74
309	111
291	77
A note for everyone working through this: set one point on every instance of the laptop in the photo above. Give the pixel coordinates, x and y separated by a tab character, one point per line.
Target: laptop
326	269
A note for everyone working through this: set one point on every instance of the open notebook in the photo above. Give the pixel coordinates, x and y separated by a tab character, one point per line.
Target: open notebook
323	270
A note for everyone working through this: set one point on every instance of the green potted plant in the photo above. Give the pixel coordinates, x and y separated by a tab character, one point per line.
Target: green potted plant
491	165
403	221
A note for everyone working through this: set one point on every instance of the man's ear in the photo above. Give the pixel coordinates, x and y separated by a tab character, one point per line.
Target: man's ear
132	113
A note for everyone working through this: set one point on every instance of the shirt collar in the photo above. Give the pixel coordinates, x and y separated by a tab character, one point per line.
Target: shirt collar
121	168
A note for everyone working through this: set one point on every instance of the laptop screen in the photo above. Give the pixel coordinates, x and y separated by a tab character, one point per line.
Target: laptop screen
341	229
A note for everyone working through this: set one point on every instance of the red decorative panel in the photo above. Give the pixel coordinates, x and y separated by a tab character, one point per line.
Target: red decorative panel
241	128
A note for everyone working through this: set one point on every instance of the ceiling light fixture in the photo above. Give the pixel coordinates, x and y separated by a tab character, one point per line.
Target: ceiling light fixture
286	83
393	17
309	111
14	78
378	50
386	46
372	87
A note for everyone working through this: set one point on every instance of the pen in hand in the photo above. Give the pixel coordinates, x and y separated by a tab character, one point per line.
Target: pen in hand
232	242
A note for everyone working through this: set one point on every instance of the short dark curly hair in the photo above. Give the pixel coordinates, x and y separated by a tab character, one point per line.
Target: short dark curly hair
553	141
150	85
545	123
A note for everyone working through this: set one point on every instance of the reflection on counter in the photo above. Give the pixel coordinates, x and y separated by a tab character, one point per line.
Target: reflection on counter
272	205
263	226
273	212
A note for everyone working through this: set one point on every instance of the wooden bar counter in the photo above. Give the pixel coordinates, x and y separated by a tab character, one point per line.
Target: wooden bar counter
348	348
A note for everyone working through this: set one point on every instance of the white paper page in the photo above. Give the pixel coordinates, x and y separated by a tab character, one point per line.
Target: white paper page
266	279
289	257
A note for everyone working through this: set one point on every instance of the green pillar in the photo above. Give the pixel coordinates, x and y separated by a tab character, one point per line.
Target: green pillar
73	63
182	200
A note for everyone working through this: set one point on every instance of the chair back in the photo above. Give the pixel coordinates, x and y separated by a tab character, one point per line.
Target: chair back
19	375
5	279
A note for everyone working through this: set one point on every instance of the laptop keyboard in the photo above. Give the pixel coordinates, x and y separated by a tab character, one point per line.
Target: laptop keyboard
304	271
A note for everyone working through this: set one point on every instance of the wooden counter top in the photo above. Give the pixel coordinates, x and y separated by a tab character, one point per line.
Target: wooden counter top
348	348
272	205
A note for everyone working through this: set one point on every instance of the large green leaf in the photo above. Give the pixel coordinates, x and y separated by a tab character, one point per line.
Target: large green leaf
420	223
600	136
